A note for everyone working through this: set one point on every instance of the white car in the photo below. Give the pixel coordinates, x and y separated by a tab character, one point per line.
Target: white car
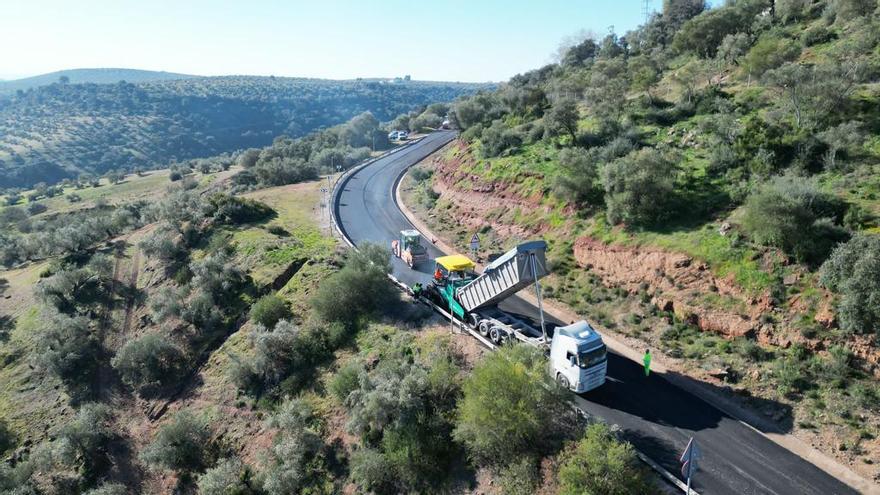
393	135
402	135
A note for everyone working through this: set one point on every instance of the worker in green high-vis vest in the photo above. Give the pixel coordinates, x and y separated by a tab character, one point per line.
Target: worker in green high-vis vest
647	361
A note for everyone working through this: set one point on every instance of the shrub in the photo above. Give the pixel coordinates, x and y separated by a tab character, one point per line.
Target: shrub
601	464
294	460
108	489
511	407
639	188
373	472
359	289
791	213
83	442
345	381
268	310
228	477
403	408
769	53
7	437
150	363
497	138
36	208
579	176
68	349
520	477
853	271
179	445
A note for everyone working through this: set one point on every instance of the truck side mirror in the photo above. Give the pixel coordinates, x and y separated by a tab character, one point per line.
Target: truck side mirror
572	360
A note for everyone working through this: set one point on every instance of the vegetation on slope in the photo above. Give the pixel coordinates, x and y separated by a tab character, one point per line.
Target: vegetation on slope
63	130
742	135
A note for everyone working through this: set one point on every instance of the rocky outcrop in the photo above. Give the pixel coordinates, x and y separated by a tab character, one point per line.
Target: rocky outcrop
676	282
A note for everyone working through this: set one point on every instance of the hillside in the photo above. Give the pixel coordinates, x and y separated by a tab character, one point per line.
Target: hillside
198	330
64	130
709	187
81	76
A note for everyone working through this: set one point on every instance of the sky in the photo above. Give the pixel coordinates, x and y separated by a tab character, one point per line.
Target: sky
452	40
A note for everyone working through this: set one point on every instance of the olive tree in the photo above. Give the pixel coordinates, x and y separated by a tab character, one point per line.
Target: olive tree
853	271
639	188
600	464
511	407
179	445
149	363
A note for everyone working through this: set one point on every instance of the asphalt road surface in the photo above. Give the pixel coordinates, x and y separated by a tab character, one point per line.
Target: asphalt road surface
656	416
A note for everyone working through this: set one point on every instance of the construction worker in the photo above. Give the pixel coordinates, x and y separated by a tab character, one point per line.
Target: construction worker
438	275
647	361
417	290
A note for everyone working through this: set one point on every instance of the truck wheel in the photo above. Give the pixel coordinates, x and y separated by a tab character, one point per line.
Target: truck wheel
495	336
484	328
473	321
563	381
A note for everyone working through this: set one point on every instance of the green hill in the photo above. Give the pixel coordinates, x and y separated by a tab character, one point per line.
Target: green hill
97	76
63	130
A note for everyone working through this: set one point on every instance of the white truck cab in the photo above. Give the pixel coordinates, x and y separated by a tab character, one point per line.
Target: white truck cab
578	357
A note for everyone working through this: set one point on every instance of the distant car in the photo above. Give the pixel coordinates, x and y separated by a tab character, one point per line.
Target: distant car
402	135
393	135
445	124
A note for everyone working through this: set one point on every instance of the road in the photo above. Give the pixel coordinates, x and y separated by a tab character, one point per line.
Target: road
656	416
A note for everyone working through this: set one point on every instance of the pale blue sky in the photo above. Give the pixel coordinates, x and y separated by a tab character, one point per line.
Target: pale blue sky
454	40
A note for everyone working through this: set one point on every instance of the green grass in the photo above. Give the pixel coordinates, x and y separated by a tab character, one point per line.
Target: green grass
266	255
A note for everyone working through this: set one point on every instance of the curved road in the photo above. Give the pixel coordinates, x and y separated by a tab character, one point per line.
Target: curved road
656	416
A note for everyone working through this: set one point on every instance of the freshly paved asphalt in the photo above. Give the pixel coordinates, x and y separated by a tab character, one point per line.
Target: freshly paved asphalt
656	416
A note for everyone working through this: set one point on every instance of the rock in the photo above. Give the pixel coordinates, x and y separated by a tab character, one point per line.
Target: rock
725	228
825	317
790	279
683	263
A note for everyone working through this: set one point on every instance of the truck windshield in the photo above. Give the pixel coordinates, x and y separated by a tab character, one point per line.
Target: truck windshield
588	359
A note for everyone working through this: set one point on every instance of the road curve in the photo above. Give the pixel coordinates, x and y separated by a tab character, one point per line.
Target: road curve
656	416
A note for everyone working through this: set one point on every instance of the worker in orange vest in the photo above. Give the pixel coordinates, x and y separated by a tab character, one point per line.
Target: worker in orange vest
438	274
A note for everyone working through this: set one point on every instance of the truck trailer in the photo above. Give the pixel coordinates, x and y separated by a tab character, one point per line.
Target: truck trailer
577	354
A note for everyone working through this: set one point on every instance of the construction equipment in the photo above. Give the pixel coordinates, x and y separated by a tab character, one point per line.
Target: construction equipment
409	248
577	353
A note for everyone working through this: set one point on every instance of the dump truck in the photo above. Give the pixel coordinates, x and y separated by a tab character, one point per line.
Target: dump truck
408	247
577	354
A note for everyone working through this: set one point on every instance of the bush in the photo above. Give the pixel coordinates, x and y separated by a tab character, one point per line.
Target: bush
36	208
150	363
290	354
511	407
359	289
639	188
498	138
520	477
294	460
791	213
83	443
179	445
372	472
853	271
66	347
579	176
769	53
345	381
601	464
7	437
268	310
403	409
228	477
108	489
232	210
